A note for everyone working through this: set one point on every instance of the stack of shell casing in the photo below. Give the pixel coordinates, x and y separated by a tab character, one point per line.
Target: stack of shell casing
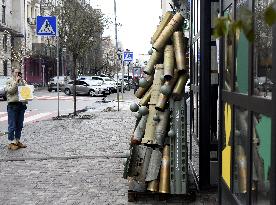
158	151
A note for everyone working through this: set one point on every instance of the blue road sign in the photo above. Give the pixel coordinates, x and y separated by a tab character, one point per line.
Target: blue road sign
128	56
46	26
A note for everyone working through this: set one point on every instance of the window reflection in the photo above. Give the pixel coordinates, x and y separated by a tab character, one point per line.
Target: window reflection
228	56
262	52
261	152
240	161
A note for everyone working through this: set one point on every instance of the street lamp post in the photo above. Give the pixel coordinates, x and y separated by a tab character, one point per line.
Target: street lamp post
116	40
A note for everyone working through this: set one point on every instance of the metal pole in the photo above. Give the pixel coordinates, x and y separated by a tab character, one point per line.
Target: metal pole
116	40
123	79
62	65
57	39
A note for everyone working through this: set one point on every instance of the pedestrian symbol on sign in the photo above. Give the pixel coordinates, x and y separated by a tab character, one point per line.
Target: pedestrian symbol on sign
46	28
128	56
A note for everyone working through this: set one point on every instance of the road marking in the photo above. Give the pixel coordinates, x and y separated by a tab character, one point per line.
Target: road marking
29	117
36	117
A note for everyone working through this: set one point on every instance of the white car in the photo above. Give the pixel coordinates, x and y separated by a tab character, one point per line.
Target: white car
86	87
110	83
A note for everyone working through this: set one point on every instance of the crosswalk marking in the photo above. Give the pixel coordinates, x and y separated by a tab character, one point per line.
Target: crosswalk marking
60	97
36	117
29	116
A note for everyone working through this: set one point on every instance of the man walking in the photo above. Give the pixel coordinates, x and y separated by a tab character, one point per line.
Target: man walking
16	110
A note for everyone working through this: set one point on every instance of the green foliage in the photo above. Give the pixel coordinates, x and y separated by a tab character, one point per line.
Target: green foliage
227	26
270	15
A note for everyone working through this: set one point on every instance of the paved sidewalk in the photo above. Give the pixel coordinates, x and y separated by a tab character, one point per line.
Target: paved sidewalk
71	161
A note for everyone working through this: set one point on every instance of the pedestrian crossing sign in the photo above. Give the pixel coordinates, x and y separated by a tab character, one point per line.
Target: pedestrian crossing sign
46	26
128	56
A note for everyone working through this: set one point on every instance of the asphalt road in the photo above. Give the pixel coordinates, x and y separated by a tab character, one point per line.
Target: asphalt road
45	106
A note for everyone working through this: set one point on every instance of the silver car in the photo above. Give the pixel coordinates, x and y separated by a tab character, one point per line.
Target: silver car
85	87
3	81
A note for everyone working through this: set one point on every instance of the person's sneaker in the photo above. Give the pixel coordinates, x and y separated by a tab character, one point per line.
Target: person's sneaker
13	146
20	145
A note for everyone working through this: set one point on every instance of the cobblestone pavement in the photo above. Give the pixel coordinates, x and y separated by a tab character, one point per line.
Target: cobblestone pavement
70	161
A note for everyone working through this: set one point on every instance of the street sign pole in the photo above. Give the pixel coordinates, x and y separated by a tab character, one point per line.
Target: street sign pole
47	26
57	41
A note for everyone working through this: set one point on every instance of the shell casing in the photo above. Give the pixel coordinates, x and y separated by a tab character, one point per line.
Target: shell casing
161	127
168	62
141	91
180	45
161	104
154	58
164	184
241	161
172	26
140	130
149	136
153	186
156	85
179	87
165	20
146	98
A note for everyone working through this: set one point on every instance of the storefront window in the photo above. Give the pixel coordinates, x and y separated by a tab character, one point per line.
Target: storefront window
261	153
262	52
241	84
228	57
240	158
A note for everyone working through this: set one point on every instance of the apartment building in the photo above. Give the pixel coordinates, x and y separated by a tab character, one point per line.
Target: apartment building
11	34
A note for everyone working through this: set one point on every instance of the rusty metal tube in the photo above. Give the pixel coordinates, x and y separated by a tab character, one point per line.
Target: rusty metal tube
168	62
168	31
139	131
164	184
165	20
146	98
180	45
149	136
156	85
154	58
179	87
142	90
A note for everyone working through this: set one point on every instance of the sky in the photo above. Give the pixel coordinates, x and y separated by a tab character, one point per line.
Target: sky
138	20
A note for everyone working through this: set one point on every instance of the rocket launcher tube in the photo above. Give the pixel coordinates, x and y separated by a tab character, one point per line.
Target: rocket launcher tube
168	62
168	31
154	58
179	87
165	20
180	45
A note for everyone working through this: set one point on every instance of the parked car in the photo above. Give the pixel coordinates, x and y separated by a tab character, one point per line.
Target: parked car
3	81
52	84
110	83
85	87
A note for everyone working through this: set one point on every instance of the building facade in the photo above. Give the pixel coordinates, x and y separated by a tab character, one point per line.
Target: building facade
11	34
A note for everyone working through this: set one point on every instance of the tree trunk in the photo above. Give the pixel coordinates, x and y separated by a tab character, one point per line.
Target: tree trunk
74	85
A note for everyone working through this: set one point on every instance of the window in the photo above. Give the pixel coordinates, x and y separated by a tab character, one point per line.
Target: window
5	42
5	67
3	14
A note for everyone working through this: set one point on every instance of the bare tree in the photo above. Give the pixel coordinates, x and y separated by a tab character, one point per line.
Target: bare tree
79	26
